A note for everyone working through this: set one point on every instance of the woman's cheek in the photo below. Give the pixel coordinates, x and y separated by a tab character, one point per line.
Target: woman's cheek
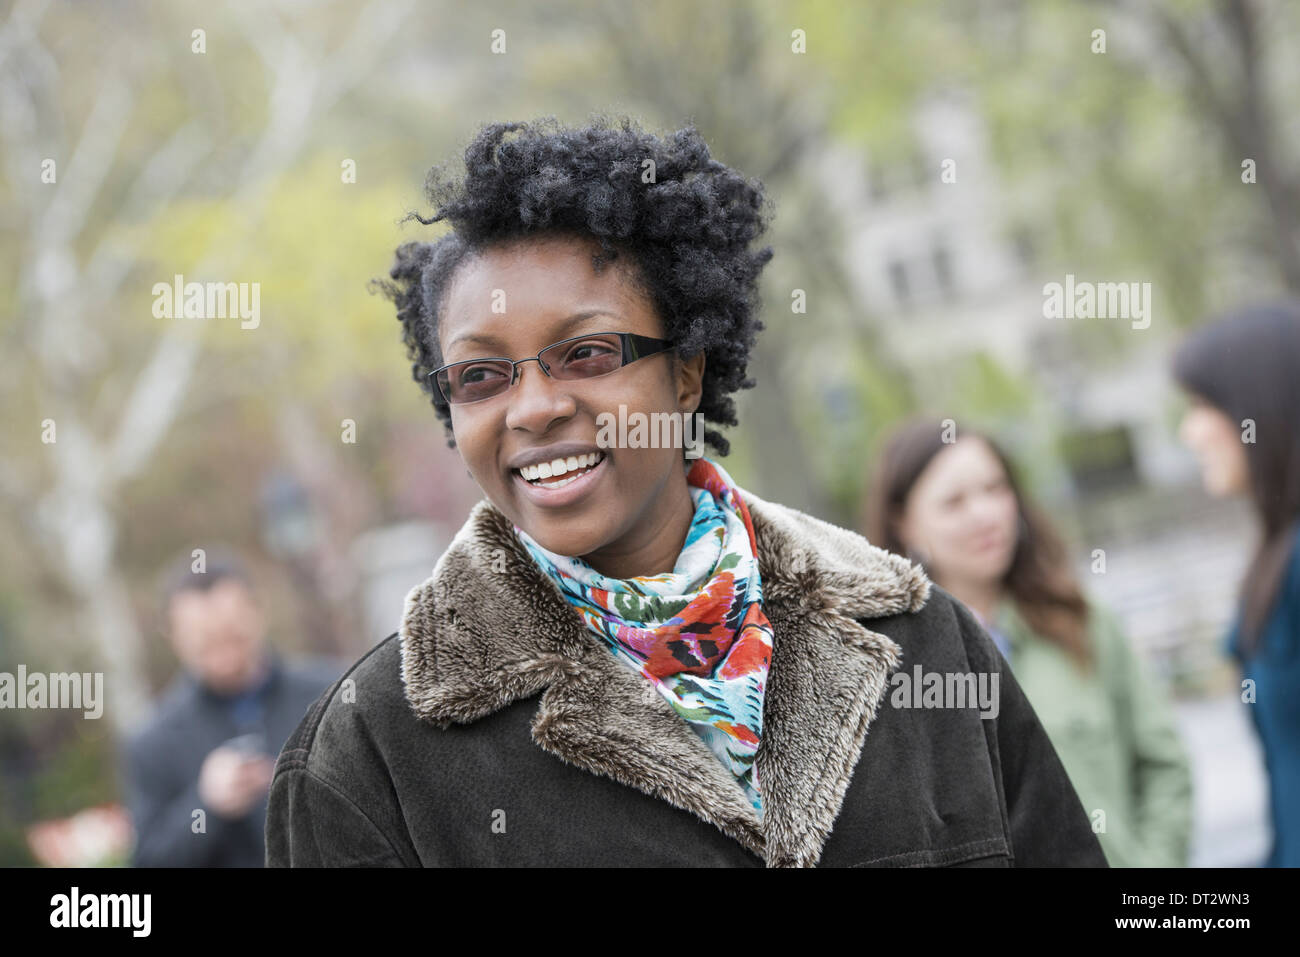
475	451
939	543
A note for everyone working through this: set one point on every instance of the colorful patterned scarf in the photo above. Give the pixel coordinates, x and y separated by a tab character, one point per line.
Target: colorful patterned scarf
698	633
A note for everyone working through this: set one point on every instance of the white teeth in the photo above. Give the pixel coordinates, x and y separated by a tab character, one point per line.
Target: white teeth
558	467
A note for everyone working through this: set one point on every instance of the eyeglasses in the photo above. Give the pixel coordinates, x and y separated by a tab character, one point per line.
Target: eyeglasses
582	357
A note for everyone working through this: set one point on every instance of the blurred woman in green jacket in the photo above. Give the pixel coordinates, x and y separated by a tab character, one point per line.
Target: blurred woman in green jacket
954	505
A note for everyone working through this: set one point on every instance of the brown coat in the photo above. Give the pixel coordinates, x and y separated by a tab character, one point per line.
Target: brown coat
494	729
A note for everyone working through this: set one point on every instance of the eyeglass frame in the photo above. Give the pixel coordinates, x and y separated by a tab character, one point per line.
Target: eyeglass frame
631	342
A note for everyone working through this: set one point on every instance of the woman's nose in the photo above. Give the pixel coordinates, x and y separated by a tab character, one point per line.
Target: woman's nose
536	400
988	511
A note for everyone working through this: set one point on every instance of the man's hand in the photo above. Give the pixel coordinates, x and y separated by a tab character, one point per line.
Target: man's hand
231	781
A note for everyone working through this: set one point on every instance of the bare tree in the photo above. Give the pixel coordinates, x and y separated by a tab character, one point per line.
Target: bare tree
69	273
1226	58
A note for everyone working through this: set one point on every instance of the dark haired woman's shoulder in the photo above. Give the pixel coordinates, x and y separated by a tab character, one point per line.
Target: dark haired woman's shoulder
942	630
378	672
1293	571
954	709
1280	639
1287	607
369	690
331	801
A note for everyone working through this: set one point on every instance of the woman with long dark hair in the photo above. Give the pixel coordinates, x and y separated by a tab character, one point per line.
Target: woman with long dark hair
597	673
951	500
1242	374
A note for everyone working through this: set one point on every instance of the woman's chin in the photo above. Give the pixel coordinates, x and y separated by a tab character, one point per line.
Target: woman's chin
562	541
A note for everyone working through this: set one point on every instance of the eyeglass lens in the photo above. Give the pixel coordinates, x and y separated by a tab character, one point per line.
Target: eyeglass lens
584	358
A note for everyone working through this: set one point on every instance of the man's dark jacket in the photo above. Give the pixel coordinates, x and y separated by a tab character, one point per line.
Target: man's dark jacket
494	729
161	762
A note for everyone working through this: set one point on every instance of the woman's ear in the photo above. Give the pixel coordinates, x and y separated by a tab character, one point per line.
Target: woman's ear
690	379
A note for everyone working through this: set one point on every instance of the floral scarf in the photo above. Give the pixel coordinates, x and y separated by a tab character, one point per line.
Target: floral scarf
697	634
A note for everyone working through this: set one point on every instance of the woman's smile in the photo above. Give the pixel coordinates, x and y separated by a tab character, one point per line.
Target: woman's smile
561	480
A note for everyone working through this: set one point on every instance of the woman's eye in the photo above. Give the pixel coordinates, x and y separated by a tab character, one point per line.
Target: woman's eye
590	359
588	350
475	374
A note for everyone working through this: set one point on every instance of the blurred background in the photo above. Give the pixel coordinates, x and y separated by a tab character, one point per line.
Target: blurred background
283	144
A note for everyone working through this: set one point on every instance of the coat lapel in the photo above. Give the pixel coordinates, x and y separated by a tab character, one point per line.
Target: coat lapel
489	628
828	671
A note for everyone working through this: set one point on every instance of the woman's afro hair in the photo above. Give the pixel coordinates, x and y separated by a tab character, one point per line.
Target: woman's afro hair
686	223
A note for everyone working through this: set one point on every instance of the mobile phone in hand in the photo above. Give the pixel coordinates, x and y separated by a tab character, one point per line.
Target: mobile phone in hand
251	745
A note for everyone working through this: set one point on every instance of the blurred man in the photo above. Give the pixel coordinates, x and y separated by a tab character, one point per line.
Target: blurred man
198	771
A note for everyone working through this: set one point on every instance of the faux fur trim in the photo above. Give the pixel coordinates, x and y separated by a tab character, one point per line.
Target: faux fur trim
489	628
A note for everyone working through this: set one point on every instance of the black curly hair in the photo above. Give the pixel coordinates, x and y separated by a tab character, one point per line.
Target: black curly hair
687	234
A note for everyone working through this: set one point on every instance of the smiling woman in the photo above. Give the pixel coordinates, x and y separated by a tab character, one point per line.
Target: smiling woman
708	663
629	514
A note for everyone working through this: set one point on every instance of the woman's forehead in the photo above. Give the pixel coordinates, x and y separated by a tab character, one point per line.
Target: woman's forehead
538	287
969	461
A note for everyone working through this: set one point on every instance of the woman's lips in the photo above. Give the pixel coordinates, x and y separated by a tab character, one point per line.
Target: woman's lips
556	497
992	543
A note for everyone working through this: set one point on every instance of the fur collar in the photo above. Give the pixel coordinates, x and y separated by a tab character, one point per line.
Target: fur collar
489	628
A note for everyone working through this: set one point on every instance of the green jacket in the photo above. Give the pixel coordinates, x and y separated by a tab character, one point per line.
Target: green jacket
1114	732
